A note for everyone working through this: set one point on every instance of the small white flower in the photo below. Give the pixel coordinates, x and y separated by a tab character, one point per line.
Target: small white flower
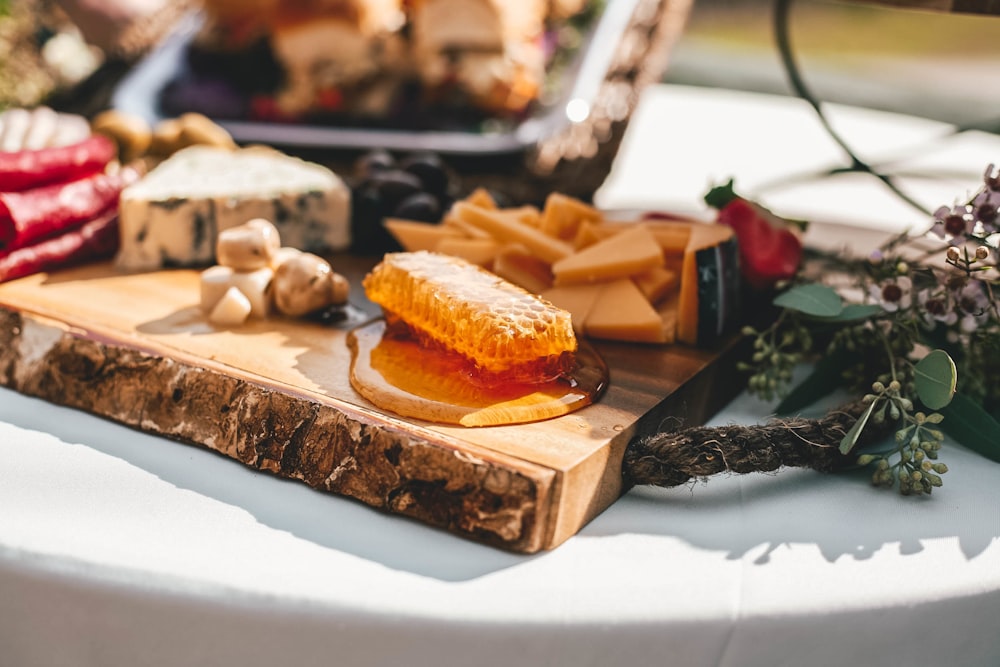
986	212
893	293
991	178
973	305
954	224
936	307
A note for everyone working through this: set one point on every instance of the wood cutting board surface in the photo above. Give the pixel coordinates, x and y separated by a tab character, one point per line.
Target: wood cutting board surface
276	395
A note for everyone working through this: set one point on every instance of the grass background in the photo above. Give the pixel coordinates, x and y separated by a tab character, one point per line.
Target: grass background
939	65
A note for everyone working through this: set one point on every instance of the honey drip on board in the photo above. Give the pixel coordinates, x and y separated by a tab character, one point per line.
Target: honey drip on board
411	380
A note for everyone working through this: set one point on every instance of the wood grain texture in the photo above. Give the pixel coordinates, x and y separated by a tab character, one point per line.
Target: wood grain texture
275	396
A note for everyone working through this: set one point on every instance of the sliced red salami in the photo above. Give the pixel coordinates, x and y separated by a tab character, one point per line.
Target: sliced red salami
95	240
29	216
22	170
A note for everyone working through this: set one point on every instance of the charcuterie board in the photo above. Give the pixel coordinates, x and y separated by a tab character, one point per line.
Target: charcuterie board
275	395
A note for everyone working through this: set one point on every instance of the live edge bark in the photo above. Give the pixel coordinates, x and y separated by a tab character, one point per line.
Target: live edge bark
289	435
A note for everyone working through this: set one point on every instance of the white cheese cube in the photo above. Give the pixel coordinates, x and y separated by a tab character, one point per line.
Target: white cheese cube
232	310
173	216
255	286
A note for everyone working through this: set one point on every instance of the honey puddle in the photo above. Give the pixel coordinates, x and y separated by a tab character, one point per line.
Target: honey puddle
410	380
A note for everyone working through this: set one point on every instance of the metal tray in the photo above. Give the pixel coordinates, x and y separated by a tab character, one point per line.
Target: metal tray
139	93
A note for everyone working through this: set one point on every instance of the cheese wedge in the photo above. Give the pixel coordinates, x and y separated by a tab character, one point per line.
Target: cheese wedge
481	252
578	300
672	235
563	215
482	198
668	315
656	283
529	215
619	256
504	228
708	303
516	264
414	236
622	313
172	216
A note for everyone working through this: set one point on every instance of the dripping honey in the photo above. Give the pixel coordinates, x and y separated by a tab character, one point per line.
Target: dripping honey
402	374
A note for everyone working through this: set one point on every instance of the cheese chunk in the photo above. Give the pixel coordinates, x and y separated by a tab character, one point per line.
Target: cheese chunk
577	300
232	309
254	285
621	312
668	314
656	283
619	256
476	251
710	285
504	228
414	236
172	216
672	235
563	215
515	263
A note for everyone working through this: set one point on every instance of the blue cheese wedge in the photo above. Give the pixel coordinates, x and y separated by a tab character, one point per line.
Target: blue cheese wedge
173	215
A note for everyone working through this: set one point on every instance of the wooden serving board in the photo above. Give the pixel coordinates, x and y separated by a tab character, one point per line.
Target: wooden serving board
275	395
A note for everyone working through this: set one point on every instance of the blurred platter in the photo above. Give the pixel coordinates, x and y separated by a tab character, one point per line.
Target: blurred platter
570	93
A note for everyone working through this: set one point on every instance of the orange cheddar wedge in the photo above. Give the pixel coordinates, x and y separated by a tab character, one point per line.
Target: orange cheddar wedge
709	295
529	215
672	235
668	315
482	198
481	252
619	256
621	312
415	236
578	300
656	283
562	216
506	229
516	264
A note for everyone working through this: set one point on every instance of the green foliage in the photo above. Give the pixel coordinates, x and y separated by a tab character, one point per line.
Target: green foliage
869	323
969	424
935	377
851	439
721	195
825	378
811	299
852	313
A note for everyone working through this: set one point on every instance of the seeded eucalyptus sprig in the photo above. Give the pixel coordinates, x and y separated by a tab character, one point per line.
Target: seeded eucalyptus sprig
901	326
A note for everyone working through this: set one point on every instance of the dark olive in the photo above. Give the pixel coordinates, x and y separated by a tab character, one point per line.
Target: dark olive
431	171
421	206
368	235
394	185
372	162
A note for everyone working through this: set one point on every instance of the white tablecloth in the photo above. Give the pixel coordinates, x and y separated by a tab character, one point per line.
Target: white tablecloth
117	548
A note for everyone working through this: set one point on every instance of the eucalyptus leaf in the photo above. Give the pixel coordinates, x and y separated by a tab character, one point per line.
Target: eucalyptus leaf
935	376
852	313
811	299
851	439
824	379
970	425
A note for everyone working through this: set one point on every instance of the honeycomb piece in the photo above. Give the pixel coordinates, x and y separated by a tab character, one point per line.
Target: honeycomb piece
448	302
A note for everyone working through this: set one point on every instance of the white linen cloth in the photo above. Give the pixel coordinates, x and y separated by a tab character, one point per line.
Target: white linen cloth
118	548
